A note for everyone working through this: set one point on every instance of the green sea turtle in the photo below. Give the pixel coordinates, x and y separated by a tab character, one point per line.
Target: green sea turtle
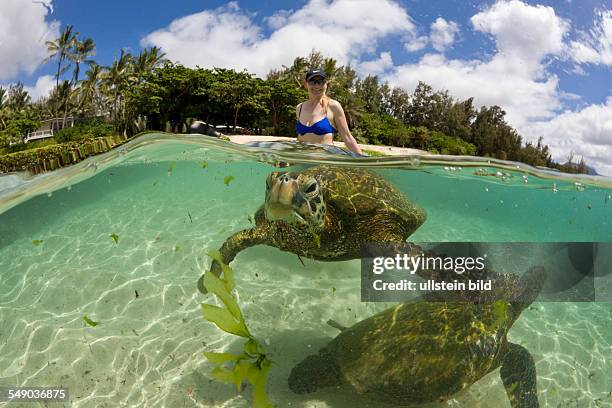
425	351
326	213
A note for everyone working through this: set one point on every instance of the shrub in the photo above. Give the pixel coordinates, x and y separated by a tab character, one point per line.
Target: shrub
88	129
385	129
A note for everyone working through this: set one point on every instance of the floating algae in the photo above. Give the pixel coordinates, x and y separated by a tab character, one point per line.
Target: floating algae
115	238
90	322
227	180
252	364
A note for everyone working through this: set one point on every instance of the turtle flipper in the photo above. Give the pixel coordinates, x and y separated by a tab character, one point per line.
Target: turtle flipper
518	374
232	246
314	372
336	325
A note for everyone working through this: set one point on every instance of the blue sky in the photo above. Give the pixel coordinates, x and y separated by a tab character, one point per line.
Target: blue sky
547	63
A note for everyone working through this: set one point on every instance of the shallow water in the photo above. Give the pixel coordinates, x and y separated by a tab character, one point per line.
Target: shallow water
166	200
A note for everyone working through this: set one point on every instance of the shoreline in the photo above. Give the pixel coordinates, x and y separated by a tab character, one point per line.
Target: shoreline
388	150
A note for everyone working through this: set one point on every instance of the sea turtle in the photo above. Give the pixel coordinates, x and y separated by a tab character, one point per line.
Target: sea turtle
326	213
425	351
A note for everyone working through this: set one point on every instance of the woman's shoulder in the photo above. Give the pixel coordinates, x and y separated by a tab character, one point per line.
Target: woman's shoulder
334	104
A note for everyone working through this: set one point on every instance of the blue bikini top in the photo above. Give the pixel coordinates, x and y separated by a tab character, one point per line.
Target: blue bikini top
321	127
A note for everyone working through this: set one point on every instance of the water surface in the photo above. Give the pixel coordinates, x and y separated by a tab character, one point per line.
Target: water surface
166	200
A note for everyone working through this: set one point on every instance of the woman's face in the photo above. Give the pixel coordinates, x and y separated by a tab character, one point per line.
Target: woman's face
316	85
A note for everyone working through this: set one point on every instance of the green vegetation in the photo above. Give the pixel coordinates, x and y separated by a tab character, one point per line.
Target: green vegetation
90	322
88	129
148	92
57	155
373	153
252	365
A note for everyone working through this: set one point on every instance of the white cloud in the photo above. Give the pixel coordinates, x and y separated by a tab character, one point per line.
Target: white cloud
228	37
515	78
523	33
23	33
377	66
595	47
587	133
42	88
443	34
278	19
416	43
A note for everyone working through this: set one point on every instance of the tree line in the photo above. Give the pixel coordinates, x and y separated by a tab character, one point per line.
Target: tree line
148	92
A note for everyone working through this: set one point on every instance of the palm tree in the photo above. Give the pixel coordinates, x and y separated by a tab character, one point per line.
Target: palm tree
18	98
4	110
330	67
61	49
116	80
81	51
147	61
353	109
3	96
90	88
295	73
64	93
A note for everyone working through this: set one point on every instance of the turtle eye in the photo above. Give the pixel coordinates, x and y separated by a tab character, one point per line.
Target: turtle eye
311	188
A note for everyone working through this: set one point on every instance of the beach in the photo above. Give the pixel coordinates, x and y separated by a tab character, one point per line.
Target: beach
388	150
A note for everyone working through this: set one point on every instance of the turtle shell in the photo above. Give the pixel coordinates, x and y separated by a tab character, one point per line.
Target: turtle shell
355	194
421	351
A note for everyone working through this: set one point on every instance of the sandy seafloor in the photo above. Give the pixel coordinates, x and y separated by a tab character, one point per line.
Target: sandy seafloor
146	352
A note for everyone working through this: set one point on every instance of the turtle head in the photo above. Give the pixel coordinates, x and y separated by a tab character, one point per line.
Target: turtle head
295	198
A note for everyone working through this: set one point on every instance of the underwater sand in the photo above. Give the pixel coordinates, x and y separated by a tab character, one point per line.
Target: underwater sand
168	210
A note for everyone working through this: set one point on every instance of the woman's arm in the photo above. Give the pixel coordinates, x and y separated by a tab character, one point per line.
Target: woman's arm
342	127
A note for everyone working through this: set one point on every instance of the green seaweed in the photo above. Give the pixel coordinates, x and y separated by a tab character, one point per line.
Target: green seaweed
90	322
115	237
170	167
37	242
227	180
204	164
252	365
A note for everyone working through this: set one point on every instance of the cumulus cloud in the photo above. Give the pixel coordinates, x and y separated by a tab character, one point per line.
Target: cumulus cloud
595	47
515	77
278	19
42	88
416	43
443	33
586	132
23	33
228	37
523	33
377	66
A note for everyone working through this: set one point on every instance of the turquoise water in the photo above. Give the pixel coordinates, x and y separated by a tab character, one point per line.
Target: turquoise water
167	202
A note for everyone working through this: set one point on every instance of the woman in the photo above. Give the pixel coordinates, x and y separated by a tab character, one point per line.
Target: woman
320	116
